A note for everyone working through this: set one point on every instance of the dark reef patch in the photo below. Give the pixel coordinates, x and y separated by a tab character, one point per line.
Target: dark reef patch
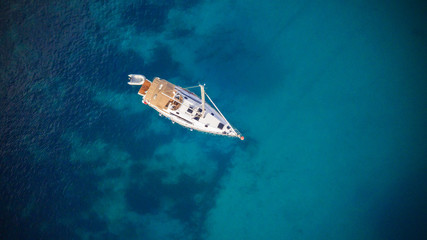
145	197
147	16
183	194
152	16
162	62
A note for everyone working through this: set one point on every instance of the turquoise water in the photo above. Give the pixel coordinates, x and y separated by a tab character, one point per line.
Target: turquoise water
330	97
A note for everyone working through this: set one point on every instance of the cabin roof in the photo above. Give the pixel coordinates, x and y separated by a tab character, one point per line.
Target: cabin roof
160	93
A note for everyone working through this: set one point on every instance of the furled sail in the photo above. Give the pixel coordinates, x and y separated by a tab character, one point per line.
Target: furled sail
202	89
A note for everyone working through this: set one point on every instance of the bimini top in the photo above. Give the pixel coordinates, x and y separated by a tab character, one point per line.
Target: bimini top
160	93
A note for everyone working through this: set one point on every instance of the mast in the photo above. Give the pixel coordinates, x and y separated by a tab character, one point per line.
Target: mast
202	89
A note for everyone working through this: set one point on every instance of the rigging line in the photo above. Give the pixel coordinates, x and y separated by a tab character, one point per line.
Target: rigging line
191	87
182	88
237	131
216	108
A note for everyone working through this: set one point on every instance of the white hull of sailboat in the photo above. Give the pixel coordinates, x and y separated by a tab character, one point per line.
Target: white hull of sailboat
183	107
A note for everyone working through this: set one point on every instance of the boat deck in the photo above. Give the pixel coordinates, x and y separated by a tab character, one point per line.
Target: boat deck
161	93
144	87
183	106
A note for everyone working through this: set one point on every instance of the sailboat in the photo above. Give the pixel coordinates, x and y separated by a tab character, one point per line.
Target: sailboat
183	106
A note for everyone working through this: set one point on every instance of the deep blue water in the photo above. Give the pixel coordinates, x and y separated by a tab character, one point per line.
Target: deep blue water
331	97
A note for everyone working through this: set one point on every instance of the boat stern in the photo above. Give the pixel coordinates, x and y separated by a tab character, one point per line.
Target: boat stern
137	79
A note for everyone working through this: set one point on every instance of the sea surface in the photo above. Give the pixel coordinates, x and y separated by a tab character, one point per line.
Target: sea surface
331	97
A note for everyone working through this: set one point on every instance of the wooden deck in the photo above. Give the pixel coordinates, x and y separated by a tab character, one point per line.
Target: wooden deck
160	93
144	87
